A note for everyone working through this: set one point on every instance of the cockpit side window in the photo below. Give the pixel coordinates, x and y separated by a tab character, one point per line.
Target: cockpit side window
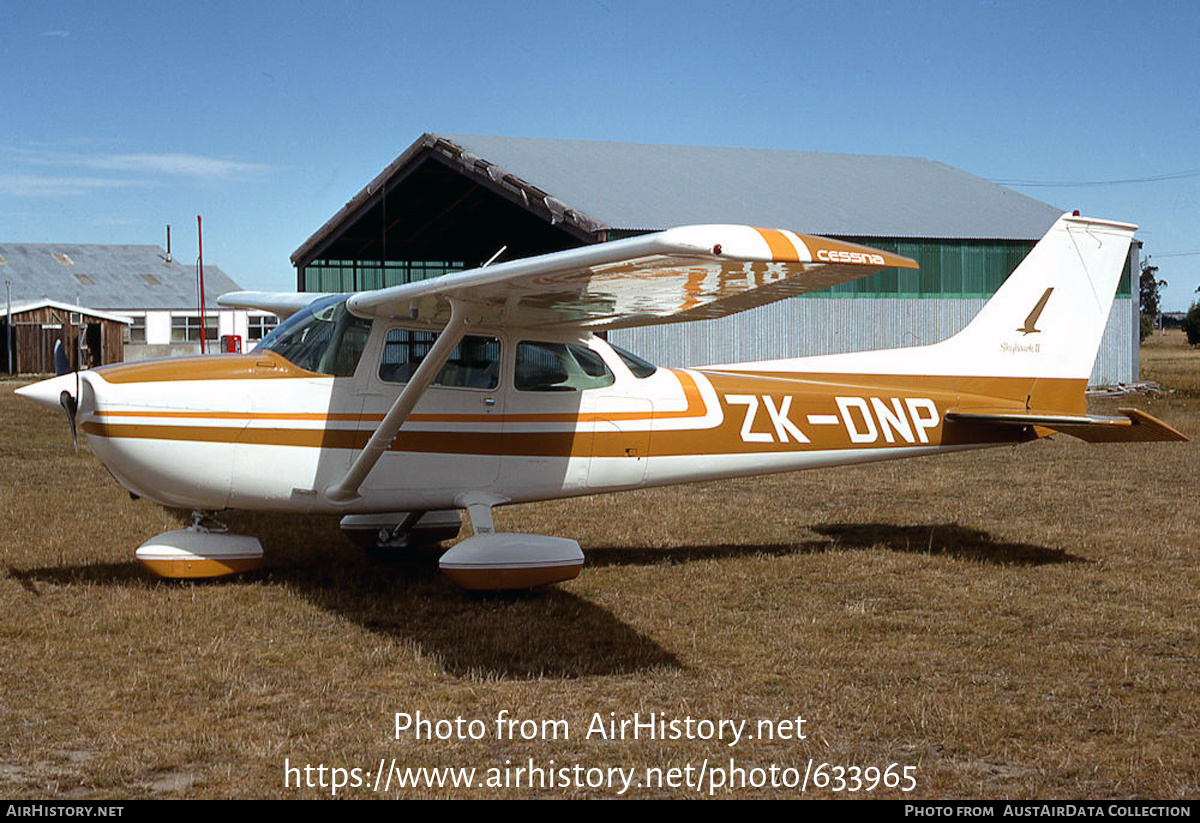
474	363
324	338
559	367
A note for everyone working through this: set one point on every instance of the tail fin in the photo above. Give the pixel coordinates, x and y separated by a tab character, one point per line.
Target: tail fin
1048	317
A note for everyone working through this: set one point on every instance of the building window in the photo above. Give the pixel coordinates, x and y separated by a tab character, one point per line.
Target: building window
259	326
362	275
948	268
135	332
186	328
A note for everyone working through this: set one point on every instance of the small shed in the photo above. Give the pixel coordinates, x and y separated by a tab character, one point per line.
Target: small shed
89	337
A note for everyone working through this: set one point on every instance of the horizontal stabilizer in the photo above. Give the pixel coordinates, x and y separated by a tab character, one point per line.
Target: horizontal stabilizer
1135	425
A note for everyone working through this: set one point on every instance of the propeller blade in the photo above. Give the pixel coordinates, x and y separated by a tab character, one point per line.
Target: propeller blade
63	391
71	406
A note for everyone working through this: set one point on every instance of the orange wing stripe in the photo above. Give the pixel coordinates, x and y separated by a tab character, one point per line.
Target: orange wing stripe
782	249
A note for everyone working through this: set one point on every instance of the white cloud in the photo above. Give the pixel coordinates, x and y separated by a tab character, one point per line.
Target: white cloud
37	185
188	165
145	168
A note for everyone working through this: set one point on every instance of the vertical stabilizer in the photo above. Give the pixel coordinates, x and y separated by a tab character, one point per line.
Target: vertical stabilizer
1049	316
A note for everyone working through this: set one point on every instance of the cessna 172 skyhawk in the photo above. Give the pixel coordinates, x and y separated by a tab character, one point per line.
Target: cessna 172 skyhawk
400	407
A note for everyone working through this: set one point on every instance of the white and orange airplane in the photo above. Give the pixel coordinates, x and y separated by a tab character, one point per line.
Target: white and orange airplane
398	408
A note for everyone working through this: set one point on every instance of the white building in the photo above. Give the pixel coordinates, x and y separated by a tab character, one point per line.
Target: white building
158	294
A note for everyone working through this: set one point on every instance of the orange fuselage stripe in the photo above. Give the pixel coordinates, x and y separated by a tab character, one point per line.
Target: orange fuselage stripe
696	408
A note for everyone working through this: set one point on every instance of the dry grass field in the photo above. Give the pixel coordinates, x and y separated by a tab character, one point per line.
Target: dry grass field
1013	623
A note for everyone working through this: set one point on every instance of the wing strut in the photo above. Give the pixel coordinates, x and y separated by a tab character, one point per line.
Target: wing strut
346	490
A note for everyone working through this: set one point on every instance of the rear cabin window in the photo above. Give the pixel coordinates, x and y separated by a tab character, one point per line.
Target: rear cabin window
474	363
559	367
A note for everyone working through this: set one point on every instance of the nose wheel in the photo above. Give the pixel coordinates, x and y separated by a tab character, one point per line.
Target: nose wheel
203	549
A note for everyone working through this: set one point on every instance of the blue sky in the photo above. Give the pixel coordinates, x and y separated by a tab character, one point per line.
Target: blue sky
119	118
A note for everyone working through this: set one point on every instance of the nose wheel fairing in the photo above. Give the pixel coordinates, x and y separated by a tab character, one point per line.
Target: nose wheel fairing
203	549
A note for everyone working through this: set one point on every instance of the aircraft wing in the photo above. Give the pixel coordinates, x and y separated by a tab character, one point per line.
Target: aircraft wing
284	304
677	275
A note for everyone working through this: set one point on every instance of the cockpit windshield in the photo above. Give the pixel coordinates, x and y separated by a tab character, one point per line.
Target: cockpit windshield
324	337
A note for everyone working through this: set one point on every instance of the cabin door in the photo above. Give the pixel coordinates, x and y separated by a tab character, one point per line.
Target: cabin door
451	440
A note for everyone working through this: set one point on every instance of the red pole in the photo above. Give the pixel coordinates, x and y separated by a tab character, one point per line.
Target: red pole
203	324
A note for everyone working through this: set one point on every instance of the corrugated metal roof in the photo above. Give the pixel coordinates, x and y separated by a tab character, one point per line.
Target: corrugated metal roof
129	277
644	186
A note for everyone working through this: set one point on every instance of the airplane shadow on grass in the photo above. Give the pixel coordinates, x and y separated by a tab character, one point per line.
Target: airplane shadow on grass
549	632
944	540
545	633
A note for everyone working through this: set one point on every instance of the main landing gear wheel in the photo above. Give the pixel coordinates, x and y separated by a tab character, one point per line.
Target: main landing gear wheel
496	561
